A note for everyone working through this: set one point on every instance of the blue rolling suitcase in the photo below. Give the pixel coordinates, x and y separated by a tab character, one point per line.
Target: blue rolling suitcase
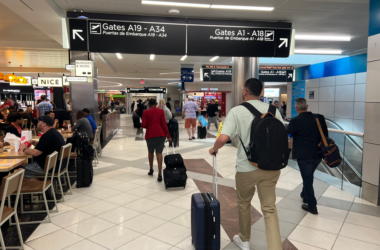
205	217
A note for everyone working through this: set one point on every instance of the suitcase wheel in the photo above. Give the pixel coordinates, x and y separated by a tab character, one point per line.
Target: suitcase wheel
184	186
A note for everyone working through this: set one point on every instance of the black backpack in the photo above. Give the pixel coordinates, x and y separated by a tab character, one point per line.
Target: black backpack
268	145
85	149
173	125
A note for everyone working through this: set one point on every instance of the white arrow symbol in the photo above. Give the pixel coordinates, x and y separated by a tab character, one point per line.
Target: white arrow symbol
183	77
205	75
285	41
190	77
290	75
75	32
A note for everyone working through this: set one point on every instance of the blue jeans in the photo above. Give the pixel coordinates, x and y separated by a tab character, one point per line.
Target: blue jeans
112	107
307	168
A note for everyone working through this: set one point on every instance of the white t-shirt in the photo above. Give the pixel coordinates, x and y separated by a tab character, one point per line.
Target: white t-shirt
239	121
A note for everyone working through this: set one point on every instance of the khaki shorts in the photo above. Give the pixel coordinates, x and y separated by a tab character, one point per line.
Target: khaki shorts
190	122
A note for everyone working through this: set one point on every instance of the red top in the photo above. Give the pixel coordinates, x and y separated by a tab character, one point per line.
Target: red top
154	121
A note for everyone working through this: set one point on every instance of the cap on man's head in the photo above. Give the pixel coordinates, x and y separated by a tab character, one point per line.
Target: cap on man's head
86	110
46	119
276	101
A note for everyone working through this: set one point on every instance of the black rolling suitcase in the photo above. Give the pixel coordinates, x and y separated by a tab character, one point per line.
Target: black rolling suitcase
174	132
202	132
175	171
136	121
205	218
85	172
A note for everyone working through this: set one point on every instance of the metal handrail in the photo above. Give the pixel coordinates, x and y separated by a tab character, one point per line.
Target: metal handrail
340	131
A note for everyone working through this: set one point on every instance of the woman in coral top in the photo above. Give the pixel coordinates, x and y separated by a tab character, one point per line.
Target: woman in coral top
157	131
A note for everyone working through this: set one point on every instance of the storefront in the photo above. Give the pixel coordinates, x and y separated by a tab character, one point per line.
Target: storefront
23	94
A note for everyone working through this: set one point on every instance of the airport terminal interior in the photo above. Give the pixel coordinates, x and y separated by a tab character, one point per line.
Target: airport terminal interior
109	66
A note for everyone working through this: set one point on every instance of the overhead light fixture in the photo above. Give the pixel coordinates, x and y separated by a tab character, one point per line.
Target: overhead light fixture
195	5
119	55
170	73
317	51
174	11
214	58
151	57
170	83
235	7
184	57
323	38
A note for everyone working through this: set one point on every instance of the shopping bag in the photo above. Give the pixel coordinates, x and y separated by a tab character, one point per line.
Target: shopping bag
26	136
13	140
203	121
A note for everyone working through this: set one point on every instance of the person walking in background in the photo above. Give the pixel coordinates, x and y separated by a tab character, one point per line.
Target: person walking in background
140	109
277	104
238	122
189	110
168	114
283	108
157	131
132	106
169	106
306	137
43	107
212	113
112	105
15	103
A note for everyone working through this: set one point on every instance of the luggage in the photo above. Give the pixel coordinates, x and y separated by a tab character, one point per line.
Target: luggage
268	146
175	139
175	171
205	218
136	121
202	132
173	125
85	172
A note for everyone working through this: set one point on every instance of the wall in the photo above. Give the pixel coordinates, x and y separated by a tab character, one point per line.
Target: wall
174	94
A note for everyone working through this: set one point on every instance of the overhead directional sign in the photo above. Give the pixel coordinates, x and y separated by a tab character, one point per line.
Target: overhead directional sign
76	79
187	75
49	81
276	73
236	41
70	67
216	73
78	34
84	68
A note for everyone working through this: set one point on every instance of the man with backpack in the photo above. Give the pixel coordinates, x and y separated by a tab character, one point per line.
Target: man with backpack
240	121
306	137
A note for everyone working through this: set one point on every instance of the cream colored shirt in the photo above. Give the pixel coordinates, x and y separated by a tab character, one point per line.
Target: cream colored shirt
238	122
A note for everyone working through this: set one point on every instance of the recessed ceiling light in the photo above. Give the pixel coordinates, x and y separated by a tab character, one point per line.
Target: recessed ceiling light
184	57
151	57
317	51
235	7
119	55
196	5
170	83
170	73
214	58
174	11
323	38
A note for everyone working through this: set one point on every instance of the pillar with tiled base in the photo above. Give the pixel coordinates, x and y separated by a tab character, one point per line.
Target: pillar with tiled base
371	152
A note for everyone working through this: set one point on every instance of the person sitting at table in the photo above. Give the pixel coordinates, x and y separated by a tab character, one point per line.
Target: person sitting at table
82	125
52	115
3	114
50	141
86	113
16	124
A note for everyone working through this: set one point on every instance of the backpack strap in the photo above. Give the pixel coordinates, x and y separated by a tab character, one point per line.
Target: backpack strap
320	129
271	111
252	109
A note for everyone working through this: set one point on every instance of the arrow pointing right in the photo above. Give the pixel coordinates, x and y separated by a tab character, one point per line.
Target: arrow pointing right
285	41
75	32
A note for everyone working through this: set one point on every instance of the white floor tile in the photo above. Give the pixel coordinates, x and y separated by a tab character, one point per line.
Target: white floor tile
90	227
85	245
119	215
61	209
74	195
143	191
125	187
114	237
145	243
42	230
108	183
98	207
182	202
286	185
143	205
26	247
183	219
163	196
344	243
70	218
340	195
362	201
313	237
167	212
57	240
302	246
80	201
186	244
122	199
170	233
143	223
127	177
87	190
321	223
365	234
104	194
332	213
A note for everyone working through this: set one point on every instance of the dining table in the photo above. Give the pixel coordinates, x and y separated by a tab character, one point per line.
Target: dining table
14	155
7	165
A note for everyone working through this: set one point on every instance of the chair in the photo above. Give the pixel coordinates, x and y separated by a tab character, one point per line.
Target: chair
98	141
40	187
33	128
25	123
63	154
11	185
95	144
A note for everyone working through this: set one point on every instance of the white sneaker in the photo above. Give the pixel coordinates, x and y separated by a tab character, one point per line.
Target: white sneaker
244	245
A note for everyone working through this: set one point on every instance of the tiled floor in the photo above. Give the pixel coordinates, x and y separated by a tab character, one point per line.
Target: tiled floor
126	209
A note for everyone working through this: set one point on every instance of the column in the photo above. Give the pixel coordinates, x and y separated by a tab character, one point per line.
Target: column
243	68
371	151
84	94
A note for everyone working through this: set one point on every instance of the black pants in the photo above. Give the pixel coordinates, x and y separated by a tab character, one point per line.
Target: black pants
307	168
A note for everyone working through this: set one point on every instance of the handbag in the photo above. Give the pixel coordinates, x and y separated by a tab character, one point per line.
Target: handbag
328	148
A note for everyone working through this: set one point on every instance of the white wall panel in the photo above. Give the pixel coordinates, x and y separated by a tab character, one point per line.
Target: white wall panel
327	94
326	109
289	94
358	126
344	110
327	81
316	96
373	78
361	78
345	93
313	107
371	162
289	85
345	79
359	110
288	109
313	83
372	121
373	48
360	92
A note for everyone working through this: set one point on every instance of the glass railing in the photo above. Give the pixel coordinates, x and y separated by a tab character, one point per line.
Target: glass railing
348	175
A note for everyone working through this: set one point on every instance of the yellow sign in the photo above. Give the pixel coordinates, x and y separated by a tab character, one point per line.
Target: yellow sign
220	129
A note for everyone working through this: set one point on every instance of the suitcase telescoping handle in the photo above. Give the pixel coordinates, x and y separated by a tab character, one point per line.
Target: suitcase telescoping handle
215	177
166	146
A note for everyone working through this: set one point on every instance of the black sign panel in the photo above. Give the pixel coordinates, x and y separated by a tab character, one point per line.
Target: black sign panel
217	75
155	90
276	75
78	34
239	42
137	38
136	90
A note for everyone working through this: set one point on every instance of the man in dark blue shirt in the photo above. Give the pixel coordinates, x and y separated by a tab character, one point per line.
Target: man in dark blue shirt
86	112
